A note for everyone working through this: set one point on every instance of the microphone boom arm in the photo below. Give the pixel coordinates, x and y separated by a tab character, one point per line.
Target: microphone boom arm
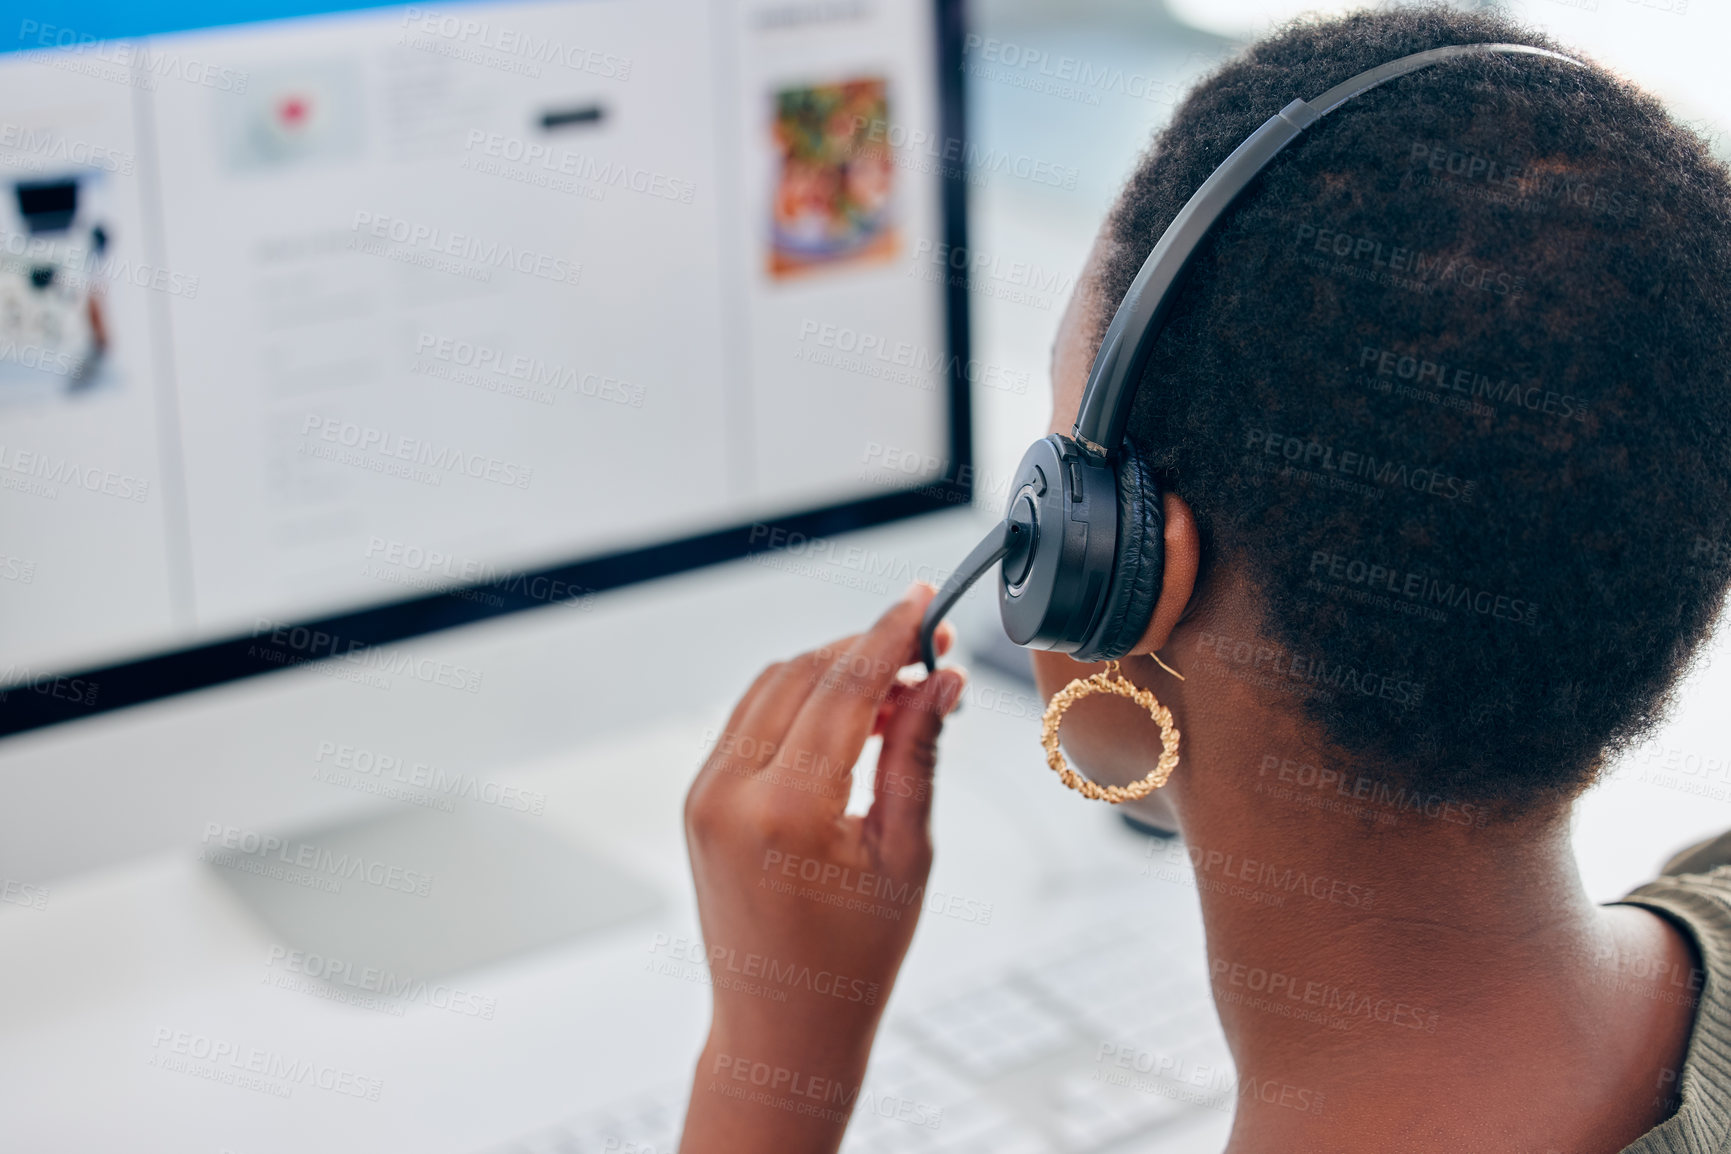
1003	538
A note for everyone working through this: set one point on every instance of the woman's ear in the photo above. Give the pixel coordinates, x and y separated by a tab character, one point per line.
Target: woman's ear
1183	562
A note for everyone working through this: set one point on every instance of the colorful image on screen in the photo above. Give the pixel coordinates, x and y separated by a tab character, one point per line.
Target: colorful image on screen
833	190
54	242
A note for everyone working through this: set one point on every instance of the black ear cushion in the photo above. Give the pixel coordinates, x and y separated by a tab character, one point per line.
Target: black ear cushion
1140	566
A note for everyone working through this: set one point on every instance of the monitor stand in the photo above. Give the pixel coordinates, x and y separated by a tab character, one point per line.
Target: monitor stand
420	894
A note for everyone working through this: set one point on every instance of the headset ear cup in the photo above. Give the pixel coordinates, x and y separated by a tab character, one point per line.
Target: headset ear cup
1138	570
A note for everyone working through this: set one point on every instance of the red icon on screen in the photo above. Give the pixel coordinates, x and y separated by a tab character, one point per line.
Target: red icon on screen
292	112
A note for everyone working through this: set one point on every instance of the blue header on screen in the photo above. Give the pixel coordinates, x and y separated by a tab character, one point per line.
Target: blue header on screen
69	22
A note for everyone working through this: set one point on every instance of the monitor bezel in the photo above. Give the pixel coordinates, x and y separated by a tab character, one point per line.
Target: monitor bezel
55	699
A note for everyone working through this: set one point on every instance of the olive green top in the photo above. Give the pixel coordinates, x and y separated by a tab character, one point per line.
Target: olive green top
1695	894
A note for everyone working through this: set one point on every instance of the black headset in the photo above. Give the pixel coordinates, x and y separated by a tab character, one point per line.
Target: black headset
1083	539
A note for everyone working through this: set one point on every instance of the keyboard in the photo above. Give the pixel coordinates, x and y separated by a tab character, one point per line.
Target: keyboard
1104	1042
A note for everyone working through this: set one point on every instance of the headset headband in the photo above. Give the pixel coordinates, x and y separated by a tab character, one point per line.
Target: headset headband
1106	402
1081	540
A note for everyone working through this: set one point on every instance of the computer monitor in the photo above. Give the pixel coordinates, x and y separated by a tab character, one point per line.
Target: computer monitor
323	328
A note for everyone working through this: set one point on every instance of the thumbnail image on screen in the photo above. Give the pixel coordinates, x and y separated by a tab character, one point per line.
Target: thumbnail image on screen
52	335
834	192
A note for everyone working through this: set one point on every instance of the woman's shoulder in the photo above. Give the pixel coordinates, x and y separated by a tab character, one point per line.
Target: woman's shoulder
1695	888
1694	893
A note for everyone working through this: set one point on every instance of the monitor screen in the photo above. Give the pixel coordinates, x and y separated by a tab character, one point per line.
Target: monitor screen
319	330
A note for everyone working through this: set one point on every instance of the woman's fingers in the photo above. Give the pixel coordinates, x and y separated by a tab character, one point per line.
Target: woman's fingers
833	723
755	728
743	706
858	672
775	708
722	760
942	640
902	804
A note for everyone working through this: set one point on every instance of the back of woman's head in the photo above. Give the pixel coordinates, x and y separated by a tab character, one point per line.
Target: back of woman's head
1449	388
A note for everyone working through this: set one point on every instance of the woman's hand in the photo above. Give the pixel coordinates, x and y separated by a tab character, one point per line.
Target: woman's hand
807	912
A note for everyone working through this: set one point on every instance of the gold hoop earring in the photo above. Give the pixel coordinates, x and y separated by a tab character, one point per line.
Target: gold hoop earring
1111	680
